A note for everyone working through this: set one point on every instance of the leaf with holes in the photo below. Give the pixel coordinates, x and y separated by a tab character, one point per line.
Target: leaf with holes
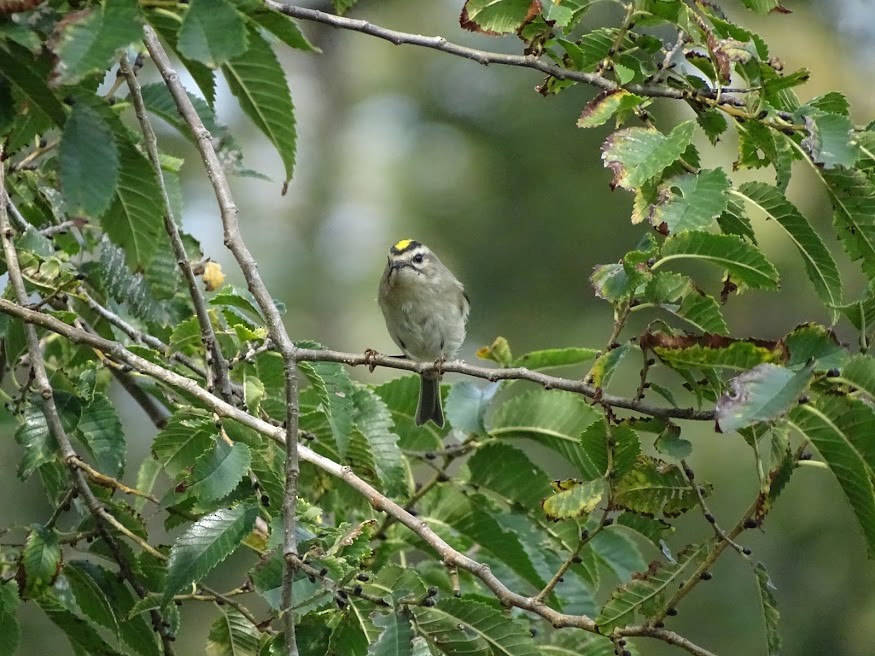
635	155
655	487
646	593
205	544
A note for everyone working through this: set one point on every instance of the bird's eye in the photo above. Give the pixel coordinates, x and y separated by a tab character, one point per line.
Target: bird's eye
418	258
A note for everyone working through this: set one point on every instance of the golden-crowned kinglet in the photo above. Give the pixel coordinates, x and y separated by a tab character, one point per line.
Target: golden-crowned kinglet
425	308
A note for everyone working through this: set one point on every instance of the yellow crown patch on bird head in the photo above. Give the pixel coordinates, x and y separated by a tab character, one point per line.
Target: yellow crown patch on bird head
404	245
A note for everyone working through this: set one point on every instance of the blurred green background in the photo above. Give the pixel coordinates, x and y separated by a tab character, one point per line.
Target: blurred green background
404	142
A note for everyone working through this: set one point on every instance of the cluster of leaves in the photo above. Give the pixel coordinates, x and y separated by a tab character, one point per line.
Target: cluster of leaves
592	535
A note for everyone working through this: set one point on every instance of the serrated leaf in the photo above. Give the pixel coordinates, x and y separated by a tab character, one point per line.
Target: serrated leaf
217	472
130	289
41	560
692	201
605	366
91	598
555	419
396	636
101	431
335	391
38	444
88	161
764	393
853	199
635	155
212	32
819	263
497	16
507	471
469	518
277	23
205	544
744	261
654	487
135	219
713	123
607	103
766	6
167	25
575	499
233	635
770	610
460	626
395	584
257	81
860	372
84	639
183	440
373	420
815	343
829	141
713	352
645	594
671	443
556	357
679	295
30	78
839	426
618	551
89	40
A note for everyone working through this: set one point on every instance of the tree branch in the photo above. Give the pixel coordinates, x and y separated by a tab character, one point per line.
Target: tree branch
248	266
450	556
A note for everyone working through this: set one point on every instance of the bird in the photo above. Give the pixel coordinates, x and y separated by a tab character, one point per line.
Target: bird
426	310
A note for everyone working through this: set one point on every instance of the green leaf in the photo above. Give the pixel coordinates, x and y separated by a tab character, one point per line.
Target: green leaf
212	32
89	41
233	635
91	598
510	473
764	393
678	294
829	142
819	263
88	162
671	444
217	472
555	419
713	123
605	366
617	551
10	636
101	431
712	352
82	636
839	427
495	16
167	25
38	444
860	372
464	514
257	81
205	544
645	594
460	626
853	199
764	7
574	499
770	610
374	421
41	560
30	78
185	439
607	103
693	201
652	487
277	23
395	584
743	261
396	637
556	357
810	341
335	391
861	313
111	272
635	155
135	219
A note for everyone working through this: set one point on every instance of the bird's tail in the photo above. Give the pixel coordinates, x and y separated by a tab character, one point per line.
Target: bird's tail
430	401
